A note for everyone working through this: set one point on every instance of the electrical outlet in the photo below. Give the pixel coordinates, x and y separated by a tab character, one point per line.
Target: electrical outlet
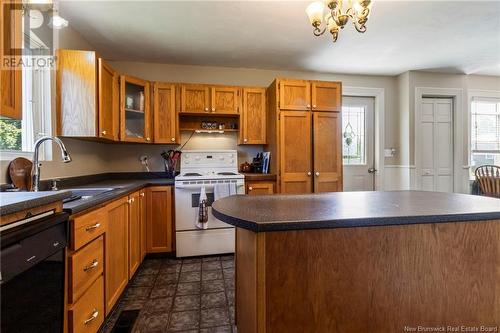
144	159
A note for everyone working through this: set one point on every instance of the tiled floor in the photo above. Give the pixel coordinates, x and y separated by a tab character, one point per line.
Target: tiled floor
174	295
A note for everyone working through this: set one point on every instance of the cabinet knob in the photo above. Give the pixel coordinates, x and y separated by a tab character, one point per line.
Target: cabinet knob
148	139
213	109
142	194
314	106
250	188
317	174
103	132
129	201
172	139
206	109
308	105
245	140
309	173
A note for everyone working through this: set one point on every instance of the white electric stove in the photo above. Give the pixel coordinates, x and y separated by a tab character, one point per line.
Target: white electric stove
204	169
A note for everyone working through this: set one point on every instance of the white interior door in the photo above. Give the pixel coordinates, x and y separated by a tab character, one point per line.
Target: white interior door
358	137
436	145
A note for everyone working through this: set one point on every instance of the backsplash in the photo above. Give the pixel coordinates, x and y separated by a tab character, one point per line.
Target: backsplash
96	157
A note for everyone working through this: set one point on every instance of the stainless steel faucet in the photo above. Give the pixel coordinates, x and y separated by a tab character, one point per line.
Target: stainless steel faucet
35	172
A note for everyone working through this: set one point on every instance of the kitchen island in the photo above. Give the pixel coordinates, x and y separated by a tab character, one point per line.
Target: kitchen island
365	261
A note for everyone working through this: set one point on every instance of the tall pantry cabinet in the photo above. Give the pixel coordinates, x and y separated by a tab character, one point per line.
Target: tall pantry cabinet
305	135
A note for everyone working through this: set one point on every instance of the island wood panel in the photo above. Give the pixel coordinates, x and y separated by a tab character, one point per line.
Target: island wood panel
143	216
327	147
116	251
195	98
250	281
159	219
326	96
294	95
254	116
77	104
225	99
372	279
109	111
10	46
295	152
164	114
134	234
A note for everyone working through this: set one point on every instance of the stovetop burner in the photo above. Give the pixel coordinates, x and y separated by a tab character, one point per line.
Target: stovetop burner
192	174
226	173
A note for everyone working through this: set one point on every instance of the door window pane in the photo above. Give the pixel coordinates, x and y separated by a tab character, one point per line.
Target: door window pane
353	135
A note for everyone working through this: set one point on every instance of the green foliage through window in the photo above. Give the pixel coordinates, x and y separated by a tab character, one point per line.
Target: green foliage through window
10	134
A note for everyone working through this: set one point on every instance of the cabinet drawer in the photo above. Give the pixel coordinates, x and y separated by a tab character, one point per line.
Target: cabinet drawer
87	314
87	227
84	267
259	188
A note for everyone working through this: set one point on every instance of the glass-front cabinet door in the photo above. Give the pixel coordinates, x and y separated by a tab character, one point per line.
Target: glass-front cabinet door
134	111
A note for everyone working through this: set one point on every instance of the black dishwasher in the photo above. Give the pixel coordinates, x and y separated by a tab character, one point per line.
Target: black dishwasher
32	274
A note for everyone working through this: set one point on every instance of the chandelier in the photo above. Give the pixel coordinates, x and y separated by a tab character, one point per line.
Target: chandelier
339	13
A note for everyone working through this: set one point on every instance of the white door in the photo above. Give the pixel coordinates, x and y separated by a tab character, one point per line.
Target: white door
358	137
436	145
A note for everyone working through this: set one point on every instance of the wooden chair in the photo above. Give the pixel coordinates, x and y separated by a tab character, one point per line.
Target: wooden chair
488	178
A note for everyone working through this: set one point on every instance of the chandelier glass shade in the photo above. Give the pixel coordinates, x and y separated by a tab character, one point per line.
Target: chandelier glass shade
338	13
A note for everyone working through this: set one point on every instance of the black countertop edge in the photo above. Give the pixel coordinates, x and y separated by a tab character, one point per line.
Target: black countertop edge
354	222
29	200
66	182
128	186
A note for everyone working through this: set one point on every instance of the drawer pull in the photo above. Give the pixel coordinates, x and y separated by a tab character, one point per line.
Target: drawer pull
30	258
93	317
92	227
91	266
55	244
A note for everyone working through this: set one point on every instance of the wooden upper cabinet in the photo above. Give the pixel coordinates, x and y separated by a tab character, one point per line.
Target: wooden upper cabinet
225	100
164	115
135	119
10	46
195	98
254	116
327	147
295	152
326	96
116	251
294	95
109	111
159	219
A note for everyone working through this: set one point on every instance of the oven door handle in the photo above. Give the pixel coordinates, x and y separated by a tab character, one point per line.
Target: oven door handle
208	187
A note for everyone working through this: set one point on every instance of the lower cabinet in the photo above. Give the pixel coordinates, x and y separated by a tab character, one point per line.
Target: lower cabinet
159	219
134	233
87	314
106	248
142	208
116	251
259	187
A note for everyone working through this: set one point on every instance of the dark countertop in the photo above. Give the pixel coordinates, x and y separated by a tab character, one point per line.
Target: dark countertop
260	177
13	202
120	187
352	209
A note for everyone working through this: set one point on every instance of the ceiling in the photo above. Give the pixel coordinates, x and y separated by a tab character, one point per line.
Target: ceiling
442	36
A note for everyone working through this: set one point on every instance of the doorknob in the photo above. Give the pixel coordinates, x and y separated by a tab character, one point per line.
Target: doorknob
372	170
